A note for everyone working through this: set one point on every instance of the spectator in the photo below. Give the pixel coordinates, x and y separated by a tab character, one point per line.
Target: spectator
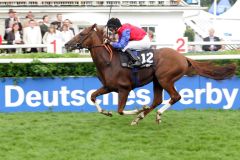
66	34
17	20
51	36
15	37
211	38
28	17
45	25
151	37
58	22
10	21
40	22
68	23
32	35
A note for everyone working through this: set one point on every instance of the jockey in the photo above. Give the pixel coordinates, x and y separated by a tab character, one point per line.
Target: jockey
129	38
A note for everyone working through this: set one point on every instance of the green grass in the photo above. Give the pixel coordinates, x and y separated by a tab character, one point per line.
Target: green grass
183	135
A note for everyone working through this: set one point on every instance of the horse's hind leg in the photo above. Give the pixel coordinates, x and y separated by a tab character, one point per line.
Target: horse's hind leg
97	93
175	96
157	100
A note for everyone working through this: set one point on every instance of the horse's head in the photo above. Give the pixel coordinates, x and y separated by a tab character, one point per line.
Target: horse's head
88	38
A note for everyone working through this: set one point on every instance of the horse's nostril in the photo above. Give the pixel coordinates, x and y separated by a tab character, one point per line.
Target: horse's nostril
79	46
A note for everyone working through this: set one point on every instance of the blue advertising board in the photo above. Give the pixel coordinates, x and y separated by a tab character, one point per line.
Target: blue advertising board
73	94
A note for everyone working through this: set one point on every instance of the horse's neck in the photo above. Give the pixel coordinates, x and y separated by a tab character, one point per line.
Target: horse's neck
102	59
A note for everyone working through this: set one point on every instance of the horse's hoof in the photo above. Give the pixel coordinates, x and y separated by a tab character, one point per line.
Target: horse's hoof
106	113
110	114
134	123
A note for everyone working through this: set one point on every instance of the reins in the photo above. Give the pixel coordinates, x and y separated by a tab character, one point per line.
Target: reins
106	46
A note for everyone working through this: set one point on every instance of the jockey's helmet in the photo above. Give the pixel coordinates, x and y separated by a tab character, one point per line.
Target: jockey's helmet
114	23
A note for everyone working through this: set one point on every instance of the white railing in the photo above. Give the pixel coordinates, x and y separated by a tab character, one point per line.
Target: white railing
85	60
47	60
199	43
153	43
23	46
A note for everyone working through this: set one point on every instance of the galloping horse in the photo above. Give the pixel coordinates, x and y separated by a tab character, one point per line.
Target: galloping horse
168	67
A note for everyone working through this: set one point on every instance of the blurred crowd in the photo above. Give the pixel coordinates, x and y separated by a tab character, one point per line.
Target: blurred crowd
29	30
32	31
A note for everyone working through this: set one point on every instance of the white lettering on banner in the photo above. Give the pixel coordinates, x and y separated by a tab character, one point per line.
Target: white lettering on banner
131	96
230	98
186	95
8	97
46	98
64	92
210	93
33	96
78	99
198	95
113	96
66	97
143	95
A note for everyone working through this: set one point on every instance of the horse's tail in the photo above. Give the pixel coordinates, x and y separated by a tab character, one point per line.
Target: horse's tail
210	70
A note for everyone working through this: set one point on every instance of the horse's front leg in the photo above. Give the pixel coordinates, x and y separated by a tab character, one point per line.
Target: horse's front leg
99	92
123	96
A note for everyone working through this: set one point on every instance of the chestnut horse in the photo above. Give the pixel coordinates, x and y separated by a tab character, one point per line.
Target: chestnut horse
169	66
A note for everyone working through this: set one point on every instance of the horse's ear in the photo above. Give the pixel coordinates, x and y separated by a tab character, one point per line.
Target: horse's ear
94	27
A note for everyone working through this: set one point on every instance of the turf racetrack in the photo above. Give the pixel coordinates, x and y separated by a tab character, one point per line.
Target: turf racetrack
183	135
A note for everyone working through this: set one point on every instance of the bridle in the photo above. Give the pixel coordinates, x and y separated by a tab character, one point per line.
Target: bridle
79	45
89	33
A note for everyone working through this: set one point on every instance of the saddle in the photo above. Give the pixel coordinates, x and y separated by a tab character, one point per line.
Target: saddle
145	57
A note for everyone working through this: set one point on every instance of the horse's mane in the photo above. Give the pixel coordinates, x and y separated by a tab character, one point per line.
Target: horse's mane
102	30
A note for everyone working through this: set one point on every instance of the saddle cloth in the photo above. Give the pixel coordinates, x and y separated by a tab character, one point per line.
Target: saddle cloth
145	56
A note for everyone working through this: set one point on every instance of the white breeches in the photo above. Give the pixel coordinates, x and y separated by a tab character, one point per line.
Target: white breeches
138	45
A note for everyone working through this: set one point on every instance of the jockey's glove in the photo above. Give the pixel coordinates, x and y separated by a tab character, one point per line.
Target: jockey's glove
106	41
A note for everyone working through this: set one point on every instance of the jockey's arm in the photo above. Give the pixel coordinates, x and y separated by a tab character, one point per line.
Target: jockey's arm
123	41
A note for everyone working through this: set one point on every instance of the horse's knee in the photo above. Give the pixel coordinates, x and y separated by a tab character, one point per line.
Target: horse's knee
175	99
121	113
93	98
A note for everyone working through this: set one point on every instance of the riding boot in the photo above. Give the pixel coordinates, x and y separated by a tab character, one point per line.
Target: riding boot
134	58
